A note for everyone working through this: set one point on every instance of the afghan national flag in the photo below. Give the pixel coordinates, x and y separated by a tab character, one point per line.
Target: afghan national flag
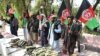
64	10
86	15
92	23
85	12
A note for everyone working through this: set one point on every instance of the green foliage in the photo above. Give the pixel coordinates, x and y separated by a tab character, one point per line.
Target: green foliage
74	11
2	7
46	6
55	8
37	6
18	5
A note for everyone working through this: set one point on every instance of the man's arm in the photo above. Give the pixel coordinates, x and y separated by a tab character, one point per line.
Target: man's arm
58	30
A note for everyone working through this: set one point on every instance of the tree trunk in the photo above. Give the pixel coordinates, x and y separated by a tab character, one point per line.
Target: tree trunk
69	5
97	2
24	4
45	11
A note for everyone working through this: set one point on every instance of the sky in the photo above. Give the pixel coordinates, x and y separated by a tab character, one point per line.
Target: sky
33	3
76	3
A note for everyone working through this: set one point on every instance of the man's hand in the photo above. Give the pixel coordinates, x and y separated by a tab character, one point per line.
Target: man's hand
69	31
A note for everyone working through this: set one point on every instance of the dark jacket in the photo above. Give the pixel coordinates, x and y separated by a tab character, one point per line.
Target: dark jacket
34	24
46	29
13	25
57	26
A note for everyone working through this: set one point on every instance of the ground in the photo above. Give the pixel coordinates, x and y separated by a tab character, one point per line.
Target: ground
83	53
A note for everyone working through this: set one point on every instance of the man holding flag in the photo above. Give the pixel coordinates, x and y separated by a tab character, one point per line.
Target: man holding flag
63	13
69	31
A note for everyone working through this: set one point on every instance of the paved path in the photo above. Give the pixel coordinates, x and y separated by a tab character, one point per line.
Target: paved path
87	53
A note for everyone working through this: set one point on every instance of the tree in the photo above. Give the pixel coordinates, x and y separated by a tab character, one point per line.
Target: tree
2	7
97	2
46	6
18	5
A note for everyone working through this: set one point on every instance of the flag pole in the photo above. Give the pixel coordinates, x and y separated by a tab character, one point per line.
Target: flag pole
67	2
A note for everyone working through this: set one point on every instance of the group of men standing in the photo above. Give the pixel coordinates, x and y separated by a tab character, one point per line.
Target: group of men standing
51	30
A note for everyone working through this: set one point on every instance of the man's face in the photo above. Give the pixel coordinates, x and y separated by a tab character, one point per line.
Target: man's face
69	20
39	17
51	19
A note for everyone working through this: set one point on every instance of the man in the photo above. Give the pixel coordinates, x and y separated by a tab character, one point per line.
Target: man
13	24
25	20
71	35
54	33
43	30
67	45
33	28
57	34
79	33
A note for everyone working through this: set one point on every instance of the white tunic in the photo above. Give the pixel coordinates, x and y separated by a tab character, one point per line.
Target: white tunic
51	35
1	23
